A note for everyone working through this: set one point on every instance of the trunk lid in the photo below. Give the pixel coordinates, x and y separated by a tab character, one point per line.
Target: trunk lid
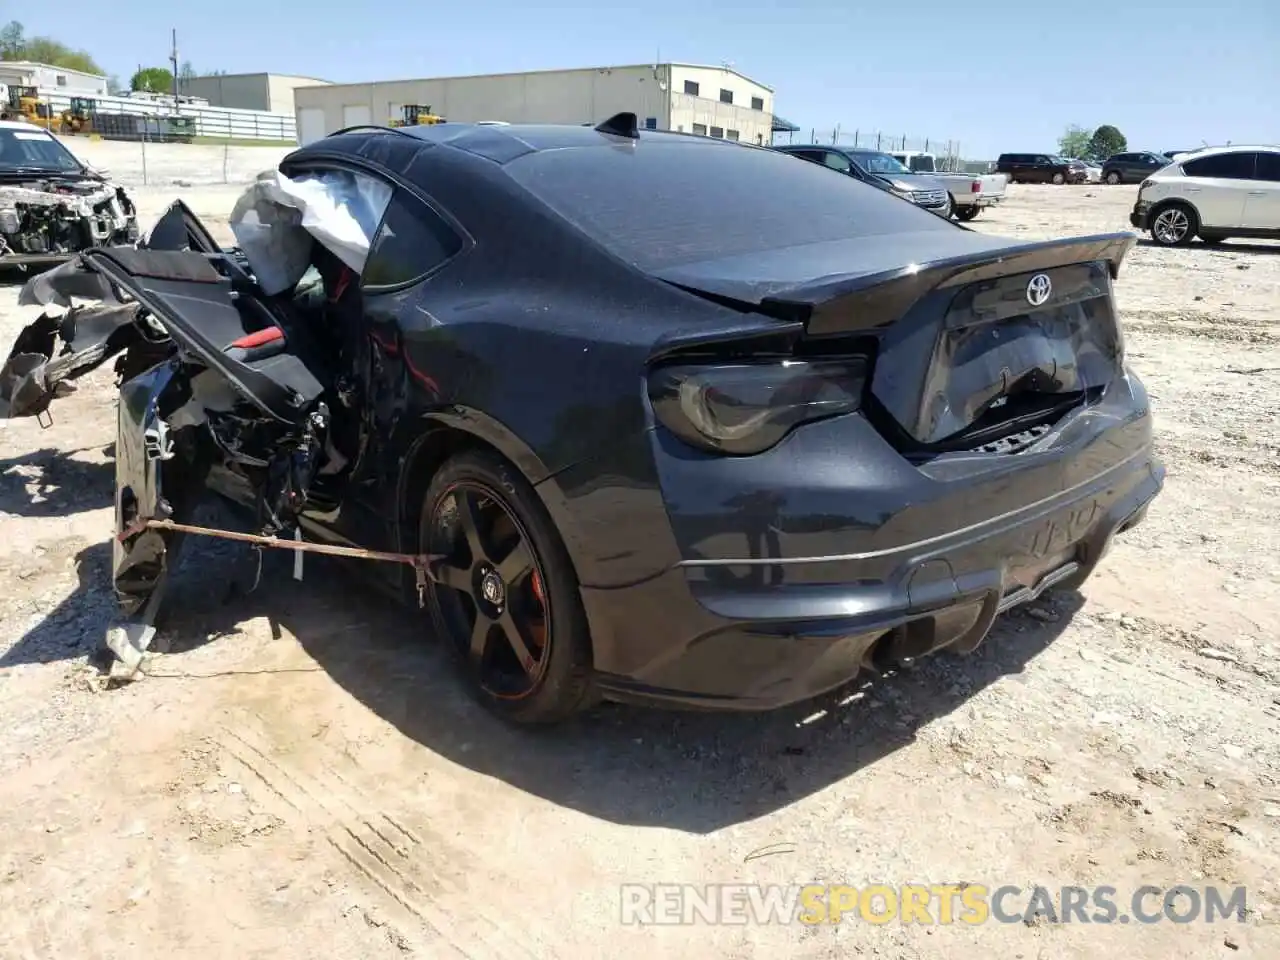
975	337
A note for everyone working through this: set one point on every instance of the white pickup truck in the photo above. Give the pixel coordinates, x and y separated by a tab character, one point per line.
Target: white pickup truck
970	193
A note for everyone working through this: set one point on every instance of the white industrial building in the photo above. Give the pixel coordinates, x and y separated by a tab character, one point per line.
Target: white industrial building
272	92
50	79
713	101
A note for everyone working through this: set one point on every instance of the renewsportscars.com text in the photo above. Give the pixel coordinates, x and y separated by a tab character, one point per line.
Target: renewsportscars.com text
934	904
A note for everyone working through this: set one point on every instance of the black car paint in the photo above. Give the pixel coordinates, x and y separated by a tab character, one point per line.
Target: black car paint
736	582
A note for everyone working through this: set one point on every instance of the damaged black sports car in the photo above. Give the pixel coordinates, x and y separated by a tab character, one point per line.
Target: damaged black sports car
51	204
679	421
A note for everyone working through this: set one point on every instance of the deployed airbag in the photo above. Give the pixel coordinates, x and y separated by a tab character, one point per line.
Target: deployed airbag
276	220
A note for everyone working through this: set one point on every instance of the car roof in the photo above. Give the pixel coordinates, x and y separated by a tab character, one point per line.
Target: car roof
502	144
1233	148
22	125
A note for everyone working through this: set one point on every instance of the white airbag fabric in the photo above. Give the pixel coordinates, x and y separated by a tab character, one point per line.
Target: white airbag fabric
277	218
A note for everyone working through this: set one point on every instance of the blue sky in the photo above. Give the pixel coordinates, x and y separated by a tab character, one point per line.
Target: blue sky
995	76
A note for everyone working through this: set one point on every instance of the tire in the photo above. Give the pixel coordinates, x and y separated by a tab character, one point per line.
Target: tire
1059	179
559	684
1113	178
1174	225
951	208
968	213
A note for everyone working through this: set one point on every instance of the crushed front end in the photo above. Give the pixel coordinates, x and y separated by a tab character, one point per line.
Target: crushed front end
46	219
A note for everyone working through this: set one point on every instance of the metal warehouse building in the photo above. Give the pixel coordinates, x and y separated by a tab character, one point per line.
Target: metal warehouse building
713	101
247	91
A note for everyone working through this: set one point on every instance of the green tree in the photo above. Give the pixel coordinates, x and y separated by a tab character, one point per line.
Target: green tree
1074	142
12	41
16	45
152	79
1106	142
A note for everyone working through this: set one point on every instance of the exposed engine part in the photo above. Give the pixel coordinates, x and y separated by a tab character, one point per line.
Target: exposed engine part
290	474
63	216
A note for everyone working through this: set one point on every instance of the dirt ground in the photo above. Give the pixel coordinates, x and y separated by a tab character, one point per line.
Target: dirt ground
303	776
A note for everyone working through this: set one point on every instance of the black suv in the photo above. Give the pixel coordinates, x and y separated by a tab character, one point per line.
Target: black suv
1041	168
1132	167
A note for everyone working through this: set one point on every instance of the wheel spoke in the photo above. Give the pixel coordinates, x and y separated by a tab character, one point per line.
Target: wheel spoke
479	644
511	631
455	578
518	562
470	525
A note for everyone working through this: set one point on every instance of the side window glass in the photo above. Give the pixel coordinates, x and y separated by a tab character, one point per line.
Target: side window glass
1268	167
836	162
412	242
1227	166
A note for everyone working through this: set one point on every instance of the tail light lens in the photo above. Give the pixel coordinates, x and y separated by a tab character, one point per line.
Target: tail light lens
975	187
746	408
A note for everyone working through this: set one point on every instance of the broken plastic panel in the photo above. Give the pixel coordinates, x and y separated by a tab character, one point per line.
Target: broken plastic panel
278	217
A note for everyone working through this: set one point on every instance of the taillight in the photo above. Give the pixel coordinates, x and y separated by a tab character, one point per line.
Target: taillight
976	187
746	408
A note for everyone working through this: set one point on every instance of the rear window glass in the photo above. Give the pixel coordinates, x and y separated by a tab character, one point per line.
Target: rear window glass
660	204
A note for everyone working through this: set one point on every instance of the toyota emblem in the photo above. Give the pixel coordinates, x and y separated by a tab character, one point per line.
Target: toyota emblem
1039	289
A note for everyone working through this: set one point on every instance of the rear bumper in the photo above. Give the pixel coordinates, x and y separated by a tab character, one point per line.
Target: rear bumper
980	201
747	644
822	565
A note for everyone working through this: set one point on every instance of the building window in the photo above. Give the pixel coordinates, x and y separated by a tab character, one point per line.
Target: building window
731	134
726	96
691	87
651	123
717	132
700	129
757	103
61	80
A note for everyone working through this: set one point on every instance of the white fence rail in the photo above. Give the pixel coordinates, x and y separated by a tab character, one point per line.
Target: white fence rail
222	123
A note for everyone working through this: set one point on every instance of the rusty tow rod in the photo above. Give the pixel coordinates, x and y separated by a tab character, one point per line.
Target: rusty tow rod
426	567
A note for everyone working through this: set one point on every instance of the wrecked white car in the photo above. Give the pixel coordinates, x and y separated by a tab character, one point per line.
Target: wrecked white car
51	204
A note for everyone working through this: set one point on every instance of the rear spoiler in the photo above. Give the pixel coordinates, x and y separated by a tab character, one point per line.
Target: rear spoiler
880	298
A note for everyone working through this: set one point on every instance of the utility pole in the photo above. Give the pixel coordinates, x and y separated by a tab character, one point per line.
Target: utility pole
173	59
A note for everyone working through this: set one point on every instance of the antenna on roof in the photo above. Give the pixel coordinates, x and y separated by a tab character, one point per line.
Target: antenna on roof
621	125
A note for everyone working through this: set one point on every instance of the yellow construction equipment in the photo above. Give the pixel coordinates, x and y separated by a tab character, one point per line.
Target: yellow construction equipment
79	118
416	115
25	104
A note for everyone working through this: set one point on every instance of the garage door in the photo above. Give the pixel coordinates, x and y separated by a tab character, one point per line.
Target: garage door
356	114
310	124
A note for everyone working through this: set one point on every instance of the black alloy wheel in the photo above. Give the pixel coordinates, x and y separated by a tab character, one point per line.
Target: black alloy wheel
495	598
506	598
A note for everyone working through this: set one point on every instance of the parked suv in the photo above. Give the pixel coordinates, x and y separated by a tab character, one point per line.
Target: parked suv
1132	167
1215	194
1041	168
879	170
